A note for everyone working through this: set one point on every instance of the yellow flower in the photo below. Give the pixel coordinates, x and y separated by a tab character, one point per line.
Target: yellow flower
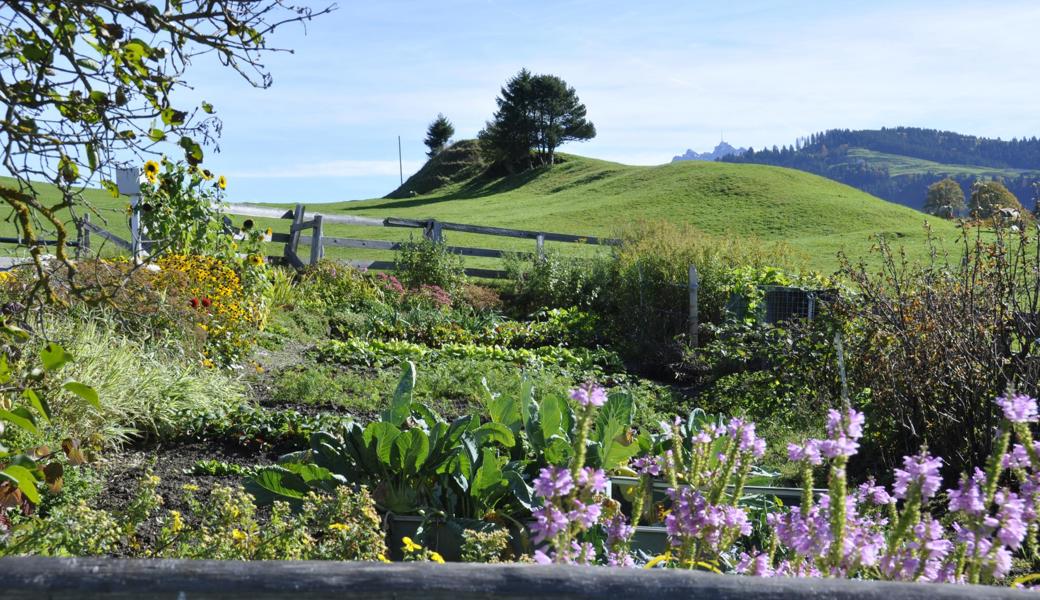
151	170
436	557
222	182
409	545
206	174
176	524
238	535
339	527
256	260
207	363
269	232
383	558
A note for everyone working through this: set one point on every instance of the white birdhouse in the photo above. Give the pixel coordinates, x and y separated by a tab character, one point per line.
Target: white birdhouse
128	181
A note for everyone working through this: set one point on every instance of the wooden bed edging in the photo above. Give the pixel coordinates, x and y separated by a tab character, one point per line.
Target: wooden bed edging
91	578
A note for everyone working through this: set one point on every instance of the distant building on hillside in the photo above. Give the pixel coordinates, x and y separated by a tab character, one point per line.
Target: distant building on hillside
723	149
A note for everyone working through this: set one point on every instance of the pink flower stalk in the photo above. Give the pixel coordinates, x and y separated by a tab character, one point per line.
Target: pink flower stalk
589	394
1019	408
922	469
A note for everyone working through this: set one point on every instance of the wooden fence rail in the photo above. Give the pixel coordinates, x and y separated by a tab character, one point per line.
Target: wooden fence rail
32	578
432	229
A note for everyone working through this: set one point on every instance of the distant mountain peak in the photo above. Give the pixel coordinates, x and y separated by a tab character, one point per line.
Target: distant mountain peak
720	151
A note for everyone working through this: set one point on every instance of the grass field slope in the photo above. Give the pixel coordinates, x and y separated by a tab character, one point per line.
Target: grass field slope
815	215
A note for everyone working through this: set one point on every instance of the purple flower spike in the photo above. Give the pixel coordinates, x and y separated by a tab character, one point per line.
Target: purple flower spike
589	394
921	469
1019	408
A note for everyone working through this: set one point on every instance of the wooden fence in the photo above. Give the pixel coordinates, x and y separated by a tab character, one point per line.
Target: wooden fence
432	229
32	578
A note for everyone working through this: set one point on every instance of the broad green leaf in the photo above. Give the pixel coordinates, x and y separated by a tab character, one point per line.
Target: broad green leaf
24	422
156	134
400	405
488	482
557	451
24	480
38	404
521	491
54	357
383	434
207	108
92	156
504	409
5	370
276	483
84	391
551	414
494	433
409	451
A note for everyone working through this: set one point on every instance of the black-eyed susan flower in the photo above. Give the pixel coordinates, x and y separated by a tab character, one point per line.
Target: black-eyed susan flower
222	182
151	170
256	260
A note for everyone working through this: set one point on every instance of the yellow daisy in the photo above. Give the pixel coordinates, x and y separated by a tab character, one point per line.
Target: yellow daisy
436	557
222	182
151	170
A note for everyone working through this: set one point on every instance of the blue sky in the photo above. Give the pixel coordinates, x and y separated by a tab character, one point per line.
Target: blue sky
657	78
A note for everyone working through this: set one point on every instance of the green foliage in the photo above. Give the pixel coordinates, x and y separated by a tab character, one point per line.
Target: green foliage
536	113
181	210
491	546
412	457
339	525
945	199
29	389
70	130
305	385
333	287
429	263
438	134
929	346
144	390
379	353
988	197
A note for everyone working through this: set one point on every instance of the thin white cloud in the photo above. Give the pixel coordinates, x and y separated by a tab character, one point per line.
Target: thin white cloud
332	168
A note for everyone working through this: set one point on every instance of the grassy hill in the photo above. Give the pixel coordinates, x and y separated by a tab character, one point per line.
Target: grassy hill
812	214
815	216
899	164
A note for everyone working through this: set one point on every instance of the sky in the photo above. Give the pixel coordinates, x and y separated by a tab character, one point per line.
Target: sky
657	78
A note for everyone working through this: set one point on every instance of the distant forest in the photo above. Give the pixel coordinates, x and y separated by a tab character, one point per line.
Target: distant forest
827	154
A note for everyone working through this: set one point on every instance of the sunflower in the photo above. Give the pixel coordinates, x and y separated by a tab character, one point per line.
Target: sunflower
222	182
151	170
206	174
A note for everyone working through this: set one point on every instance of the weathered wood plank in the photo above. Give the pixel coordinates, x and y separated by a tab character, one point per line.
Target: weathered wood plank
32	578
115	239
503	232
20	241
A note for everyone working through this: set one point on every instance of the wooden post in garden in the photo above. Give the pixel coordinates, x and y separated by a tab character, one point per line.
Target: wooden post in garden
128	183
317	251
83	238
433	231
693	319
540	245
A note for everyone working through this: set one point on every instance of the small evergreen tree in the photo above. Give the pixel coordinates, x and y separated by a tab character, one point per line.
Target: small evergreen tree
988	197
945	199
438	134
536	114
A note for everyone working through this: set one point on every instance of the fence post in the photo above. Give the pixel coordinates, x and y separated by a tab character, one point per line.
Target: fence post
317	251
539	243
432	231
83	237
693	318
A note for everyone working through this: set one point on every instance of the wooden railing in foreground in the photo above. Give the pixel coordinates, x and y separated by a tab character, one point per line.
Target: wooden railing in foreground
32	578
432	229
